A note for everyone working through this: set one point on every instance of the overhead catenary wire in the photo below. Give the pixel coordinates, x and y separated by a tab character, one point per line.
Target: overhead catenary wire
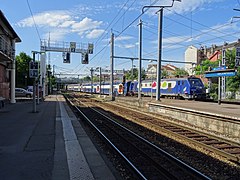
122	30
210	29
198	35
103	36
34	20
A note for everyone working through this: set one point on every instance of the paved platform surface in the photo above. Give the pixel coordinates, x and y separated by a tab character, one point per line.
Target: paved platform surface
232	110
48	144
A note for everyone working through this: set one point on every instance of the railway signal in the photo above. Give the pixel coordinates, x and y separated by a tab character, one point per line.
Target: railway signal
85	58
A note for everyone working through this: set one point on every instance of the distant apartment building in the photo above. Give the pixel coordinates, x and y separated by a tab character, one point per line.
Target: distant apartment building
191	59
151	72
194	56
8	38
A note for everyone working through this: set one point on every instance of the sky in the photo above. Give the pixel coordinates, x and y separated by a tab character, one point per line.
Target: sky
189	22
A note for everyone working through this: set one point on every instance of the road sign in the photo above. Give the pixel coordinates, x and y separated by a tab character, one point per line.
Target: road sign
72	46
219	68
33	69
90	48
230	72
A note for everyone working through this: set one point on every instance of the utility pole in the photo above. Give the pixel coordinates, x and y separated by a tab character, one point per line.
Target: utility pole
140	61
100	80
91	80
111	67
224	77
219	87
132	70
160	17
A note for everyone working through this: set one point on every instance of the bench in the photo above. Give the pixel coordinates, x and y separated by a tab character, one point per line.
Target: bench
2	99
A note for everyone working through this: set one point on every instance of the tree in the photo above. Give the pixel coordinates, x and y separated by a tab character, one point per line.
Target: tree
164	73
22	70
205	66
233	83
230	58
180	72
86	79
135	74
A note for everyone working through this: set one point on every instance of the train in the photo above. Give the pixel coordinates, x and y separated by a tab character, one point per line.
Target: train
181	88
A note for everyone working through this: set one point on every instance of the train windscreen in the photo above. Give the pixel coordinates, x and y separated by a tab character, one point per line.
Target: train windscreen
196	82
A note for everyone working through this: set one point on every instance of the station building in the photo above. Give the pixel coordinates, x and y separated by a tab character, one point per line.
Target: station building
8	39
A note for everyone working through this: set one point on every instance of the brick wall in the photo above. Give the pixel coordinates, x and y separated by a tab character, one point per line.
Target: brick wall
4	83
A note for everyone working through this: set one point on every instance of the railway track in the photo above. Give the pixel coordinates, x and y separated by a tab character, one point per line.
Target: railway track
145	158
217	145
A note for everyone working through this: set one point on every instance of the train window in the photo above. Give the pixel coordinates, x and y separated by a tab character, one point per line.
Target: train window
150	84
145	85
169	85
195	82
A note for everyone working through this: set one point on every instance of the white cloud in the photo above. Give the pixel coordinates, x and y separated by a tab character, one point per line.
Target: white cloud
126	45
56	34
123	38
189	5
52	19
66	22
181	7
85	24
95	33
129	46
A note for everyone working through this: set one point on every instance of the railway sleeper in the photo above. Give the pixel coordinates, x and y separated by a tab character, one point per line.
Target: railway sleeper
195	136
211	142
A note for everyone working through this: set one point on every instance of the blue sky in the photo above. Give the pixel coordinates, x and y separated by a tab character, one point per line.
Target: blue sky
189	22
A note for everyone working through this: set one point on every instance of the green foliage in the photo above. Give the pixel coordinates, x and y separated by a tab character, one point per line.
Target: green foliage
180	72
96	79
129	75
230	58
22	70
87	79
164	73
233	83
205	66
213	91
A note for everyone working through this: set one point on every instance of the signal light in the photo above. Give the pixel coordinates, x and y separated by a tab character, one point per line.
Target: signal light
85	58
67	59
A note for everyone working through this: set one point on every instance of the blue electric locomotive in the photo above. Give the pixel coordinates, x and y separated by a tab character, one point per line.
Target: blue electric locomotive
187	88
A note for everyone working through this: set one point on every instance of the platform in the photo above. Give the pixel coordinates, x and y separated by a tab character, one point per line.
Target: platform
47	144
224	109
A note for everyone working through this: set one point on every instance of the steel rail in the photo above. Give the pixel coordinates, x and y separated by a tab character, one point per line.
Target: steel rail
108	140
176	160
218	151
